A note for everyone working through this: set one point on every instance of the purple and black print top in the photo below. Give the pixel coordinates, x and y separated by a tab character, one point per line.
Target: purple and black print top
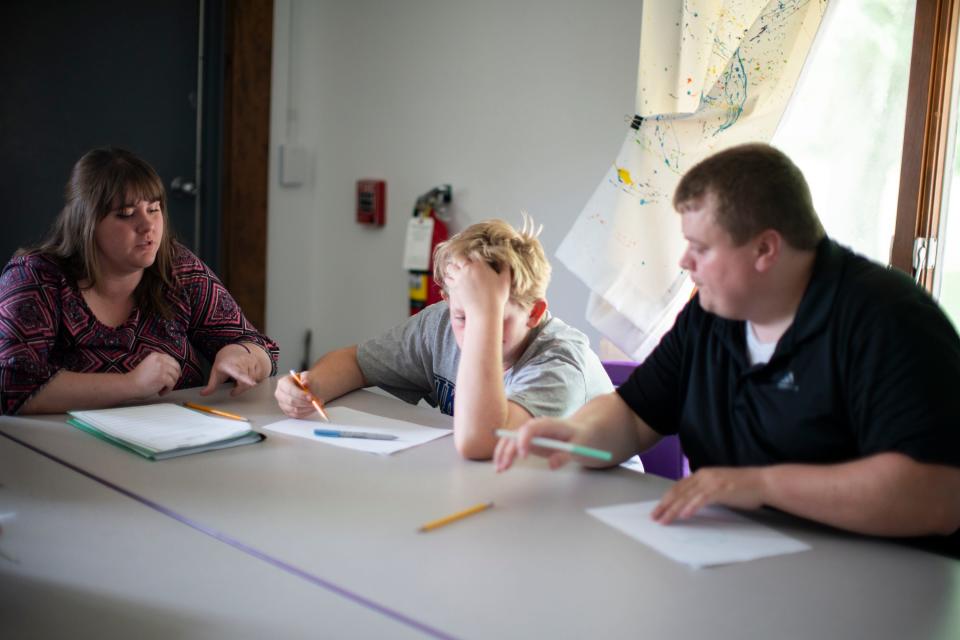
46	326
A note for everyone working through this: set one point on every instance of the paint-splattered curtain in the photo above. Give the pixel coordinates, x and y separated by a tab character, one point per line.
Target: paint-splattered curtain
712	74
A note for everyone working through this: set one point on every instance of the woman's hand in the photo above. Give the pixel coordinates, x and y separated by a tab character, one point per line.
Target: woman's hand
156	374
240	363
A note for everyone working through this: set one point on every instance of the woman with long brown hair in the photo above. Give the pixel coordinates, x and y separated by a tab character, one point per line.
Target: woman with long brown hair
109	309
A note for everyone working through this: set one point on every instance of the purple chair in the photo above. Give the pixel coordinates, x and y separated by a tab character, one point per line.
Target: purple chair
665	458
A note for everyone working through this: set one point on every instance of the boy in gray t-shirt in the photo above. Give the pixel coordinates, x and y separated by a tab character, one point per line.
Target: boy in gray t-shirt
490	354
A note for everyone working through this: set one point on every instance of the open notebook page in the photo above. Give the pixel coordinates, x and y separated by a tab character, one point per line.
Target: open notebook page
162	427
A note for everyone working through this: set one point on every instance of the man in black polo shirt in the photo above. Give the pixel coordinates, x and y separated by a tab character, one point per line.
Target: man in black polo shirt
802	376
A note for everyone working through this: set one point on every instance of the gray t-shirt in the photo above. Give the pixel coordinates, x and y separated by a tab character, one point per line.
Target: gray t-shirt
418	359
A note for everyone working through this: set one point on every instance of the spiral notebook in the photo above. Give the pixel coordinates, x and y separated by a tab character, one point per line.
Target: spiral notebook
161	431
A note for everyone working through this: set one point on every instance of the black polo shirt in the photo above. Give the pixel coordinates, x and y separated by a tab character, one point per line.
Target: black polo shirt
870	364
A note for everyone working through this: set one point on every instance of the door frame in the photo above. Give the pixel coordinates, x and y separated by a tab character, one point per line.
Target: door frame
247	65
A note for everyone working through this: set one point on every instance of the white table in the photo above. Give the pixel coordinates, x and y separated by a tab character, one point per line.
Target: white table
78	559
343	524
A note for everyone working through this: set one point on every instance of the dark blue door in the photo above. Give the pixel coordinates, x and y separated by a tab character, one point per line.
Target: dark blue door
77	75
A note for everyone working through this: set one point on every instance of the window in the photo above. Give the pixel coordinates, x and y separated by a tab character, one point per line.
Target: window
947	273
844	127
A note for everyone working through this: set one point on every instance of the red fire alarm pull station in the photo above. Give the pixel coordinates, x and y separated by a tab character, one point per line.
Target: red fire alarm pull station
371	202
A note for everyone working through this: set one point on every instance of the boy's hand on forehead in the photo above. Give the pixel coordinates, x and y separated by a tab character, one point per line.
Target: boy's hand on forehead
476	286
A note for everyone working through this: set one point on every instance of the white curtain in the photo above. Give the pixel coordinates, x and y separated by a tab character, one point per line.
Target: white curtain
712	74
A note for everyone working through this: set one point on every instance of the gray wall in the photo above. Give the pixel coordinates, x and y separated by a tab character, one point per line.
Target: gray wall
518	105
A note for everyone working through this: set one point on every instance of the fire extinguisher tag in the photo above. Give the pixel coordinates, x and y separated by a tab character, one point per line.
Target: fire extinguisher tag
416	249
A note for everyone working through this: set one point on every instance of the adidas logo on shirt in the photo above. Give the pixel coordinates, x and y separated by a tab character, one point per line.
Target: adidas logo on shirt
788	382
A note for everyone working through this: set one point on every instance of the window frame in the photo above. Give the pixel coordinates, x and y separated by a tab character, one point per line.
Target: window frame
924	157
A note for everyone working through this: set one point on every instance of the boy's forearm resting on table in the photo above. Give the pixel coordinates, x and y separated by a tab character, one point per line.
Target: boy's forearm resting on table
335	374
888	494
480	404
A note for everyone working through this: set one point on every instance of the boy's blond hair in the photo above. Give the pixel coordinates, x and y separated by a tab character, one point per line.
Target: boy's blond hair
500	245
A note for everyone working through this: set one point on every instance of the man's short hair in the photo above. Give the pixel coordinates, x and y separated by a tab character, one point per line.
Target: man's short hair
756	187
501	246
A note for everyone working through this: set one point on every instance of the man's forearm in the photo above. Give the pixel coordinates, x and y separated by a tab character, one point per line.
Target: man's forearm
608	423
887	494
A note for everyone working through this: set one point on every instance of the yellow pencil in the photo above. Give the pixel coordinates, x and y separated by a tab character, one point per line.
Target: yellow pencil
430	526
216	412
313	399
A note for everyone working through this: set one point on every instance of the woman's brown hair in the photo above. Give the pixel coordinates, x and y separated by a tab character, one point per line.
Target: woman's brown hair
101	181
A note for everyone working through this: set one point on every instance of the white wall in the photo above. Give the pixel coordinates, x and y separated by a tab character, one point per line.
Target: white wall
518	104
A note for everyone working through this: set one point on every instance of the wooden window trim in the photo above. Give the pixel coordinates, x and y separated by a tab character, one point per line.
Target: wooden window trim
926	131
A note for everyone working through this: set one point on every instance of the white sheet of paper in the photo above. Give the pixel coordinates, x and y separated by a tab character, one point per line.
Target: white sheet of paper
408	434
417	248
712	537
703	84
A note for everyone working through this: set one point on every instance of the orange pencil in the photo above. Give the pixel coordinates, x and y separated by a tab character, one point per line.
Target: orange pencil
430	526
313	399
211	410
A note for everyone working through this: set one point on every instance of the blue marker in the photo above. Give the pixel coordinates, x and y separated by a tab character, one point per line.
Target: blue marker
367	435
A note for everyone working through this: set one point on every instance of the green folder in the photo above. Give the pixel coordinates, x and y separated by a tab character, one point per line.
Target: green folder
158	432
247	438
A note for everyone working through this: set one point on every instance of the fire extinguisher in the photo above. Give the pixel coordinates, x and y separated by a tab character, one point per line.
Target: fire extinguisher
429	213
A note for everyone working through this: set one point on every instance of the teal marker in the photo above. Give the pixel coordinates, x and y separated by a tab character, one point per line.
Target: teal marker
560	445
